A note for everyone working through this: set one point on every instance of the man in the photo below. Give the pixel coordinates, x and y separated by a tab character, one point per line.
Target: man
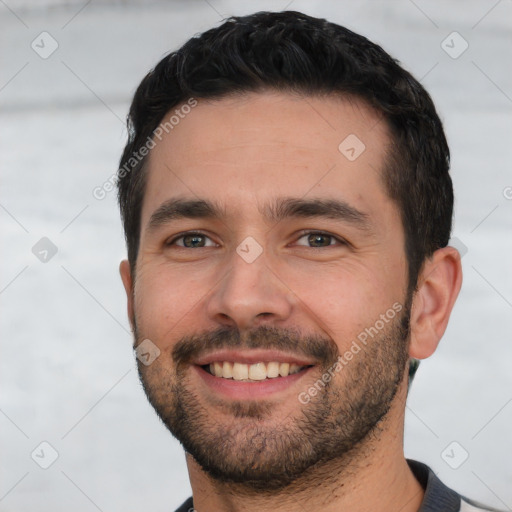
287	208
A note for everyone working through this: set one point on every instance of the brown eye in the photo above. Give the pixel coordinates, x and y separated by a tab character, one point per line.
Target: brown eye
191	241
318	239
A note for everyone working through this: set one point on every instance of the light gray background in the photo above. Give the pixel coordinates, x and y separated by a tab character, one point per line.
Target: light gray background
67	370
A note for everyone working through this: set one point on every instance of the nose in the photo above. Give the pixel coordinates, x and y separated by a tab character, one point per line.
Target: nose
250	294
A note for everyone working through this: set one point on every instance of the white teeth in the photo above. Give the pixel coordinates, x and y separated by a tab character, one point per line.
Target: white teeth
227	370
284	369
218	369
240	371
272	370
255	371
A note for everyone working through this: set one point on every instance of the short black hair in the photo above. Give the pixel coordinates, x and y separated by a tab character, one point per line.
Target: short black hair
292	52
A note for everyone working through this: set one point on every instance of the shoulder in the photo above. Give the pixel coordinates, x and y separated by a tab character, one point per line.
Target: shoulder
440	498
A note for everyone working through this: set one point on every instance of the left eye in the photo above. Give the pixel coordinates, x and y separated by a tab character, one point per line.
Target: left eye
319	239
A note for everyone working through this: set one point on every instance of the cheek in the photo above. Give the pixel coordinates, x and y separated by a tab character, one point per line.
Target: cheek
166	301
342	298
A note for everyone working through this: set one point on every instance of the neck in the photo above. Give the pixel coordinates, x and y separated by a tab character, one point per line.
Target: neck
374	476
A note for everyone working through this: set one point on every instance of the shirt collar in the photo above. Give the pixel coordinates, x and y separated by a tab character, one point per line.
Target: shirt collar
437	496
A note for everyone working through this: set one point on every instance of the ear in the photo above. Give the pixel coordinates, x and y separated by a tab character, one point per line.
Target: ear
439	284
126	277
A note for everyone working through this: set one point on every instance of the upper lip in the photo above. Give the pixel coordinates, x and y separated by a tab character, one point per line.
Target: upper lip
251	356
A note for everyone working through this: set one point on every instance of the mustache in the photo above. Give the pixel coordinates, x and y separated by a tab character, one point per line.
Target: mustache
321	349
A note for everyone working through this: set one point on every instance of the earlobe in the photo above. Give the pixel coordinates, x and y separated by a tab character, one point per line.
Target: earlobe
126	277
439	285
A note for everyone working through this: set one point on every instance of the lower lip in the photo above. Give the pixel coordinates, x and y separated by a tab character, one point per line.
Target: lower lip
240	390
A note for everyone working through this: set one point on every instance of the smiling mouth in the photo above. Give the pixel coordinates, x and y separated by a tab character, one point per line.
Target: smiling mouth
255	372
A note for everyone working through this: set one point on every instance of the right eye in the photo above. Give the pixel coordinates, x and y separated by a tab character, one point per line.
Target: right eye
190	240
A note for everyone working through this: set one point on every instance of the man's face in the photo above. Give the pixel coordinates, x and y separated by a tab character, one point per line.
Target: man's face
303	261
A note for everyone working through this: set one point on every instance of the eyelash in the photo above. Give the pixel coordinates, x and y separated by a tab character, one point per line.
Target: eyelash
302	235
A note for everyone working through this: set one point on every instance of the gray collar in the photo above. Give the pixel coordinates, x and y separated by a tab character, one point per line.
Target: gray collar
437	496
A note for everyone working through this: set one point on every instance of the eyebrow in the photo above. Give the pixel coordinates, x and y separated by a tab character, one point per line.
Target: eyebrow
280	209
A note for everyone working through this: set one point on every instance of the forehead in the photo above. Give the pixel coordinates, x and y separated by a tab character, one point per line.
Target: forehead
242	151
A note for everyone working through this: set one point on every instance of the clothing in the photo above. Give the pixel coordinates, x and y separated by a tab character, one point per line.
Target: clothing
438	497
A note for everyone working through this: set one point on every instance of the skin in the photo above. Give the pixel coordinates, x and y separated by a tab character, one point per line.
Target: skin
243	152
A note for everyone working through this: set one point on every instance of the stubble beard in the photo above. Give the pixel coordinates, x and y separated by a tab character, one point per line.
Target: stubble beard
237	442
